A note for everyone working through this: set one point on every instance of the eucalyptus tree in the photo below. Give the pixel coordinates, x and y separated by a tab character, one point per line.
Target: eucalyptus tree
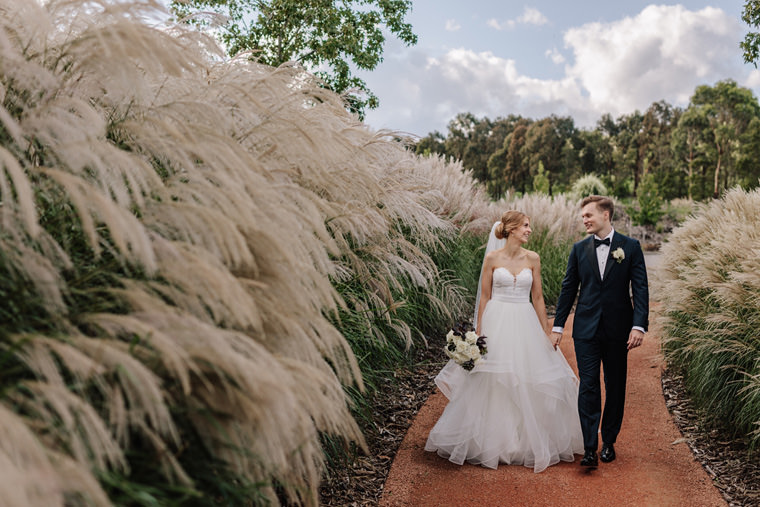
595	152
729	110
546	141
658	123
506	166
751	43
473	140
433	143
327	37
460	130
487	136
628	154
748	161
691	146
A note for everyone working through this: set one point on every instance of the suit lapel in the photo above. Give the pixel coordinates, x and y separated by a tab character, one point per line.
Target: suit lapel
591	256
617	241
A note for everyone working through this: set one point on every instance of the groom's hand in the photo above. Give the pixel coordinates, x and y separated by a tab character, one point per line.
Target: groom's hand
635	338
556	338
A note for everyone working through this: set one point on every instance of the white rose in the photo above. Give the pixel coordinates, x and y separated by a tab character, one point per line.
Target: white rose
462	347
474	352
450	336
471	337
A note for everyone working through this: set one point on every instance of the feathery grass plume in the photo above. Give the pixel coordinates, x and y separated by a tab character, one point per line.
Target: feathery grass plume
29	477
556	225
193	227
465	202
559	214
588	184
84	154
709	285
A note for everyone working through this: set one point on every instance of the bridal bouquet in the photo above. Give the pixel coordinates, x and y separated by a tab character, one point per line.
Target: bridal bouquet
465	348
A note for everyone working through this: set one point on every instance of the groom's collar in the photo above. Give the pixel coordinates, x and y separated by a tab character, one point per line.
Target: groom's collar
610	235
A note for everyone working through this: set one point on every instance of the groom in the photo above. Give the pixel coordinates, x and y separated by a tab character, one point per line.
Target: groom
611	317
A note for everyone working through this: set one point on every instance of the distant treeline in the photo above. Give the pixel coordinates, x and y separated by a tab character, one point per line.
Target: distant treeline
696	152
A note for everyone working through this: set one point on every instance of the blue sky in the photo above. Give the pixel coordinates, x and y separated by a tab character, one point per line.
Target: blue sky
542	57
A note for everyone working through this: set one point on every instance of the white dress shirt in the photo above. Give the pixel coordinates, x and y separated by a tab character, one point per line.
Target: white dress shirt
603	252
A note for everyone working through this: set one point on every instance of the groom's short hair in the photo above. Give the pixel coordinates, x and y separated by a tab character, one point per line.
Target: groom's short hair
603	203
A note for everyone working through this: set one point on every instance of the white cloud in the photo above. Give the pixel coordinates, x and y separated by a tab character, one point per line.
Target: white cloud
664	52
497	25
452	25
529	16
555	56
753	79
434	89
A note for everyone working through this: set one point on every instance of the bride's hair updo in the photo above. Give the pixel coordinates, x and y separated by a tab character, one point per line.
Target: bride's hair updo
510	221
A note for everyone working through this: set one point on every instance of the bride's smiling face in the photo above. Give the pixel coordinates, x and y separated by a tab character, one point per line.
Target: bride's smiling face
522	232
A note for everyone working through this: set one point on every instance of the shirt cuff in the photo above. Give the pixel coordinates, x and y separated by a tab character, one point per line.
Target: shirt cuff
639	328
557	329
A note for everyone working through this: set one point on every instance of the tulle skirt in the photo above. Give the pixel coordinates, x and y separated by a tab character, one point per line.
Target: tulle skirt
519	406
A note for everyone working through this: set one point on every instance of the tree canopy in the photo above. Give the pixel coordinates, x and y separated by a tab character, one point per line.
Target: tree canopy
697	152
751	43
327	37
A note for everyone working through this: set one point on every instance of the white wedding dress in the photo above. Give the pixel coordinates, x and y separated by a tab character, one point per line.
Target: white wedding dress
519	406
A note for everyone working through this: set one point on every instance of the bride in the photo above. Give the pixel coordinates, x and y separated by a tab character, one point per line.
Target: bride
519	405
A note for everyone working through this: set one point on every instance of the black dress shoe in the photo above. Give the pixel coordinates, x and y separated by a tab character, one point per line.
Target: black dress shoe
608	453
590	459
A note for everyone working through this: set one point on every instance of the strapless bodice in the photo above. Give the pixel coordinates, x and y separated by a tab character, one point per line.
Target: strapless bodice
511	288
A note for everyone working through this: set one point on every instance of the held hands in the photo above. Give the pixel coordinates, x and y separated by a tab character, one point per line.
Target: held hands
635	338
555	339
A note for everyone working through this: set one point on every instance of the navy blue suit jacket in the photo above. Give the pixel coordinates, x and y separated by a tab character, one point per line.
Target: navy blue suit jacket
607	300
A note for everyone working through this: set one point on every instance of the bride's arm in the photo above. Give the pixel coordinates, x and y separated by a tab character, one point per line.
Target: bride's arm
485	288
537	294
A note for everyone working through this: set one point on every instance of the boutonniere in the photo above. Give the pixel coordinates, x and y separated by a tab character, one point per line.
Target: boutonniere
618	255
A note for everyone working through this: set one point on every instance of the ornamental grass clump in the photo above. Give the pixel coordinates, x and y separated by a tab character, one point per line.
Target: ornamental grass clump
558	215
709	286
176	231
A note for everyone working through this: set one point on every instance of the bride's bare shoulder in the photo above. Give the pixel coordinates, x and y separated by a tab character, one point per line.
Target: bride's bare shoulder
491	256
531	255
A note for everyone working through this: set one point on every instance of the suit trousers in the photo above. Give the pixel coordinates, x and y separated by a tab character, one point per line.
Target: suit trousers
612	355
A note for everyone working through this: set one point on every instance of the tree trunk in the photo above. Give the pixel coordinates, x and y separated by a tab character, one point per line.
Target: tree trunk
690	183
690	180
717	176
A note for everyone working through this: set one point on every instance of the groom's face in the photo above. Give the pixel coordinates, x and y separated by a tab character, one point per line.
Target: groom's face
594	219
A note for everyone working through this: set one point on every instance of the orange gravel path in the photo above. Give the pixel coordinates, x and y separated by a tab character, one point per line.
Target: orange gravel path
654	467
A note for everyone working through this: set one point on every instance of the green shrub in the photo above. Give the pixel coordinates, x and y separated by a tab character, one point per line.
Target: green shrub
541	182
650	202
588	184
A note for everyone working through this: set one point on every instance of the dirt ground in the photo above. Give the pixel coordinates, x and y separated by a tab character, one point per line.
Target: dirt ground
654	465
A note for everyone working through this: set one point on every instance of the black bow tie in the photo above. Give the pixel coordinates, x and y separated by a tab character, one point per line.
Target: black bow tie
605	241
